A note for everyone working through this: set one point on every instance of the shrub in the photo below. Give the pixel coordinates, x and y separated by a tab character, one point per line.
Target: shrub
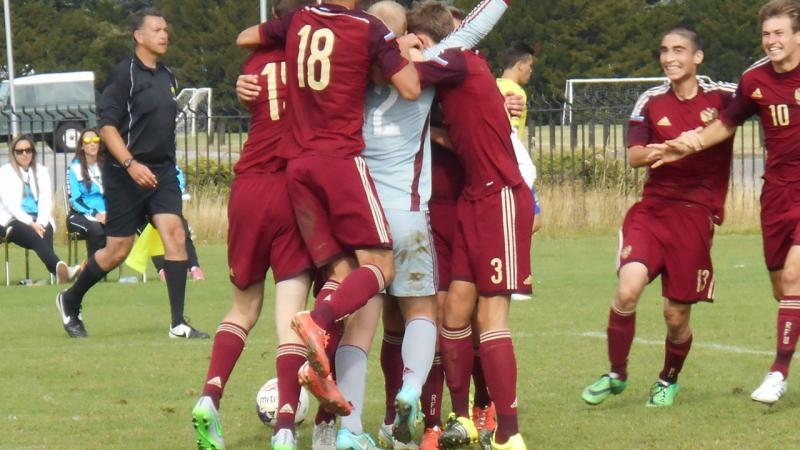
589	169
207	173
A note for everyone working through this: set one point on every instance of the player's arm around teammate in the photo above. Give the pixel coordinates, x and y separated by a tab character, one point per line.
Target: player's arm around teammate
327	180
260	238
770	89
648	244
406	80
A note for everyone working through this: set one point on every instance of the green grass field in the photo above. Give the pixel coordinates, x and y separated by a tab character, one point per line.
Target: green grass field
129	386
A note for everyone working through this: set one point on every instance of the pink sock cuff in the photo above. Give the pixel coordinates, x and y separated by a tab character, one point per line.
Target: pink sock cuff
455	333
622	314
378	275
234	329
291	349
495	335
392	338
790	303
330	285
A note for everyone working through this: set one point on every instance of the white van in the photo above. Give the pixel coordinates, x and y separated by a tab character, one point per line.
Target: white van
54	107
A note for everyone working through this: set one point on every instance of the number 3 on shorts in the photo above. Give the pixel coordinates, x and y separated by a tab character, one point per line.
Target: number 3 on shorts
497	264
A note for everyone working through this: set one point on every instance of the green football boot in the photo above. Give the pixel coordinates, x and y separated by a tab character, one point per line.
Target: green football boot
598	392
207	425
407	408
662	394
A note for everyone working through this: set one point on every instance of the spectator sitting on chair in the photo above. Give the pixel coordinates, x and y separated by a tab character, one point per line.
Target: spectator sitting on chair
87	208
195	272
26	206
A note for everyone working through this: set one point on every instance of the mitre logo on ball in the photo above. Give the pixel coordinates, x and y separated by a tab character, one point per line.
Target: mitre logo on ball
267	404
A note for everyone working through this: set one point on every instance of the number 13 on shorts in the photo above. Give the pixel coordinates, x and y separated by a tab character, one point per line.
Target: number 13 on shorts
705	280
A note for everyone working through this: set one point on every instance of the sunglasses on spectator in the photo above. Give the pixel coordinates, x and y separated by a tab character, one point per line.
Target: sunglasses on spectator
19	151
91	140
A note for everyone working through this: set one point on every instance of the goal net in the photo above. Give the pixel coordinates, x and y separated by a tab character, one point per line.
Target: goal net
608	96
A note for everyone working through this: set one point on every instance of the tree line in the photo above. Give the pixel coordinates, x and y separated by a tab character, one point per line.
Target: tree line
574	38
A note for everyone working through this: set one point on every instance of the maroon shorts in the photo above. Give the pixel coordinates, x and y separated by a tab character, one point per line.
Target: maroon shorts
444	217
492	242
671	239
336	206
780	223
262	232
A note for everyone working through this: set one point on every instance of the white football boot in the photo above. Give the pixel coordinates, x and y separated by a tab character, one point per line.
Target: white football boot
771	389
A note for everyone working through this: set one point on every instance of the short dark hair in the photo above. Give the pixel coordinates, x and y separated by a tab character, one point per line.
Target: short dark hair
432	18
457	13
686	33
283	7
516	52
138	17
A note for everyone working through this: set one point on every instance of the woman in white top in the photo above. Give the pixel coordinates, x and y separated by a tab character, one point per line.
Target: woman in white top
26	206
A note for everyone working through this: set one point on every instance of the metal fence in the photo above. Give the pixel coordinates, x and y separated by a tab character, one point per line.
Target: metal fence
214	147
588	151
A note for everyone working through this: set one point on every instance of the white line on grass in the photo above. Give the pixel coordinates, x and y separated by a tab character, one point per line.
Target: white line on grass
709	345
254	343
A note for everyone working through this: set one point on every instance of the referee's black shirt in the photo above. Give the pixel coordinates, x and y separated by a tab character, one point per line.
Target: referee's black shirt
140	103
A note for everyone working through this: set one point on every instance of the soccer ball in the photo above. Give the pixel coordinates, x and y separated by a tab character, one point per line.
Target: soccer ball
267	403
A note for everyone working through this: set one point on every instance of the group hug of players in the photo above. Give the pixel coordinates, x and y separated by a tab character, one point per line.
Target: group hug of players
333	189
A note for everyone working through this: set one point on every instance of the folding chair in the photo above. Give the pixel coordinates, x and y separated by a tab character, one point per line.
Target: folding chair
5	243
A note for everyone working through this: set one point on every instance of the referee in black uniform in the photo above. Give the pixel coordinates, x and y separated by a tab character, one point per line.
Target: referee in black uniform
137	112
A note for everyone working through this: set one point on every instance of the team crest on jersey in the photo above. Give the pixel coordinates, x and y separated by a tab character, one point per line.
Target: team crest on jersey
625	252
757	94
797	96
664	122
709	115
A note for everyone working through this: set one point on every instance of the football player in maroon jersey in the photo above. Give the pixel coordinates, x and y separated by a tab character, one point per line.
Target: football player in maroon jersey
669	232
771	89
262	234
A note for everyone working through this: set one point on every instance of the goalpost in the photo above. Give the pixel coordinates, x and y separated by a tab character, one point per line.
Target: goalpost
192	101
636	86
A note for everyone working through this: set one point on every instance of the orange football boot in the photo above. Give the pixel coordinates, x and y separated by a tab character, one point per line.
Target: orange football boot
316	339
325	390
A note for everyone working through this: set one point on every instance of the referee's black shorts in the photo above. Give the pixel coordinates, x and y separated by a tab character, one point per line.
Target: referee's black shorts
128	205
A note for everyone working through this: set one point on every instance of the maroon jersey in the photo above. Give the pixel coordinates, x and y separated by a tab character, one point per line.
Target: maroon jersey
474	111
701	178
776	98
447	176
260	152
329	52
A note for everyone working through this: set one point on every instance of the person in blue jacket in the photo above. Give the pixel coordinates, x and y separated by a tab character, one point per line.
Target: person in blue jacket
87	208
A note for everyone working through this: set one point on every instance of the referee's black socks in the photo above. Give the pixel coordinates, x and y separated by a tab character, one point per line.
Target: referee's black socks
175	274
91	275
